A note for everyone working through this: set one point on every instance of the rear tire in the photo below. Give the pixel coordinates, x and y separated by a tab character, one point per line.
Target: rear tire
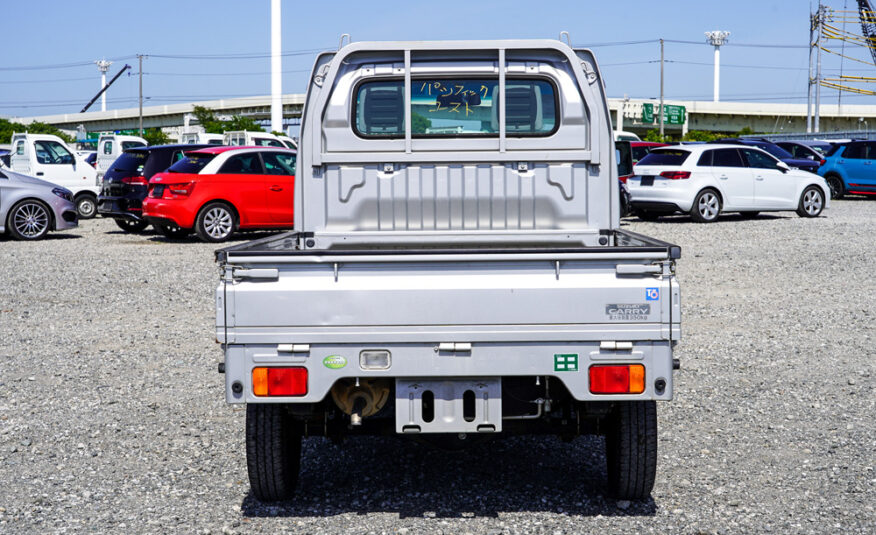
216	222
273	452
837	188
631	449
172	232
811	202
706	207
86	205
132	225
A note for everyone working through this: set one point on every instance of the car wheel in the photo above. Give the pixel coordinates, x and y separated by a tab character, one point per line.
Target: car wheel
172	232
29	220
273	451
748	215
631	449
837	188
811	202
706	207
132	225
647	216
86	205
216	222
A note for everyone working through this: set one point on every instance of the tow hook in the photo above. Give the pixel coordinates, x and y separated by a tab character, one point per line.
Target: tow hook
676	364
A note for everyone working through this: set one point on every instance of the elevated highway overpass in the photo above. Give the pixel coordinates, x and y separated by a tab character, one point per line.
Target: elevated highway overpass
627	114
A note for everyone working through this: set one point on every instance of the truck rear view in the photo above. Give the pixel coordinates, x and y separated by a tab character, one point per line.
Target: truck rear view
457	271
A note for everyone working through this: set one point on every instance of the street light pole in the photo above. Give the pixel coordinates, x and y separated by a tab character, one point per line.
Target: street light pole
717	38
140	74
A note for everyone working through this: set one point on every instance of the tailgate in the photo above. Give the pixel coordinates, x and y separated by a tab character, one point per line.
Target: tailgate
394	299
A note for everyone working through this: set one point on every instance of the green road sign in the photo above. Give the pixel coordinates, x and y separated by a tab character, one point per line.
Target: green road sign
647	113
671	114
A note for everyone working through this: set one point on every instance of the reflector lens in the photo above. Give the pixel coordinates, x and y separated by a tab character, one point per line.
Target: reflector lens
622	379
279	381
260	381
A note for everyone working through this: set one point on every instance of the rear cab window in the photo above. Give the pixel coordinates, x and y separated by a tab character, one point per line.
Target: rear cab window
455	107
664	157
132	144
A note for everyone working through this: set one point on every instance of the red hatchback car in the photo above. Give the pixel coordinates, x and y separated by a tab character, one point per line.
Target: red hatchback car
220	190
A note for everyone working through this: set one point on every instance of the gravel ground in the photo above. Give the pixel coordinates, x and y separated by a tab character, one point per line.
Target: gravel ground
112	415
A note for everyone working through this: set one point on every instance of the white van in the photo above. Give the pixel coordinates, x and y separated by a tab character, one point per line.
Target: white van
111	146
47	157
201	138
253	139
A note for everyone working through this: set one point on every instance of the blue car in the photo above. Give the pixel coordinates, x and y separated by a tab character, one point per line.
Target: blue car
778	152
850	168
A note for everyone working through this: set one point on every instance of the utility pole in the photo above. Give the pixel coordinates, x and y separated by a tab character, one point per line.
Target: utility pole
661	89
103	66
812	26
716	39
140	74
276	69
822	14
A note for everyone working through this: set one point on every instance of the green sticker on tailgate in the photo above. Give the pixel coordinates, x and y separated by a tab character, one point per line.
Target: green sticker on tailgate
566	362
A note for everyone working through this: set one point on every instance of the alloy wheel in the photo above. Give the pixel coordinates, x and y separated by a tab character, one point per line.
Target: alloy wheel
812	202
708	206
31	220
218	223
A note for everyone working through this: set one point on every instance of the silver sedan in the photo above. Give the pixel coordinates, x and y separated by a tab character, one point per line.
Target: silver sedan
30	207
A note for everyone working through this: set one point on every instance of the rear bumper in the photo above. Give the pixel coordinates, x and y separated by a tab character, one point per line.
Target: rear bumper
657	207
662	195
425	361
169	212
120	207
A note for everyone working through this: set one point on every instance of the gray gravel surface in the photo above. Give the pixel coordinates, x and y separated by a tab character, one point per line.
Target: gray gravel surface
112	415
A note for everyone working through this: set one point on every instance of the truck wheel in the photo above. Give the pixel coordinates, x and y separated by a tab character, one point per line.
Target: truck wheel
172	232
837	189
273	452
706	207
811	202
29	220
631	449
132	225
216	222
86	205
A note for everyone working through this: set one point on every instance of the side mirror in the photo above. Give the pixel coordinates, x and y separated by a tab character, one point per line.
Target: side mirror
783	167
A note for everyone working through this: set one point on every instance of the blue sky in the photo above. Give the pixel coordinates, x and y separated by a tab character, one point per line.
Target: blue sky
54	32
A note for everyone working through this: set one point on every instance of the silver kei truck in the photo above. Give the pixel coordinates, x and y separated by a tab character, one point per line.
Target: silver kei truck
457	271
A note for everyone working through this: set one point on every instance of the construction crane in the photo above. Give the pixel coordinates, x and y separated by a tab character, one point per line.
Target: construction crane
868	25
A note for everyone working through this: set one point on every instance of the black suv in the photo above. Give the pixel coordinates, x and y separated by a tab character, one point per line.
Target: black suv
126	182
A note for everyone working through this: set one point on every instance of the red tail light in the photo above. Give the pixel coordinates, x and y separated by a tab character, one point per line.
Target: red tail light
622	379
180	189
821	162
279	381
624	178
135	180
675	175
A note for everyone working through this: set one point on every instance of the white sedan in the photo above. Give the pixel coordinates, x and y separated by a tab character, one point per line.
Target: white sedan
706	180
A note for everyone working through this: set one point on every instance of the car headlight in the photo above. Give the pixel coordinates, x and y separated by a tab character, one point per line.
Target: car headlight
63	193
